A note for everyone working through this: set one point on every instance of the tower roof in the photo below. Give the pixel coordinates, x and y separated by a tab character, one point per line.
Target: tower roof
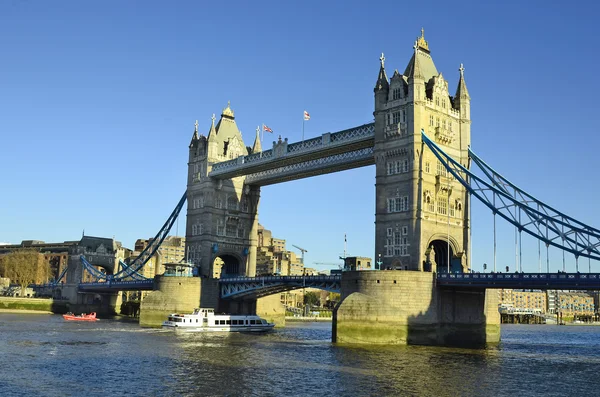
226	131
257	146
212	132
461	90
421	64
195	136
382	79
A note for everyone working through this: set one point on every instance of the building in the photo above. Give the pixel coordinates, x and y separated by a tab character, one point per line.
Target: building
272	258
575	304
523	299
357	263
172	250
419	205
57	254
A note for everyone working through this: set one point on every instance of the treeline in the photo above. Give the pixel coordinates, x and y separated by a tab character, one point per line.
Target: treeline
25	267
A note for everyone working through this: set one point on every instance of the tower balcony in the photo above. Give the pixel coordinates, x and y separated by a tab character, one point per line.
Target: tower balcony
443	135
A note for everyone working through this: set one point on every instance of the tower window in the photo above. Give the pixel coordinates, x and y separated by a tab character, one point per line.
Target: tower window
442	206
396	117
396	94
431	121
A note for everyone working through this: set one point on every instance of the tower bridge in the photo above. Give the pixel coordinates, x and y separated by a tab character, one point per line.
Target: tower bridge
419	143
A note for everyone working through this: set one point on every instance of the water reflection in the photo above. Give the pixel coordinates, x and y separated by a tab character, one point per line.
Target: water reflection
43	355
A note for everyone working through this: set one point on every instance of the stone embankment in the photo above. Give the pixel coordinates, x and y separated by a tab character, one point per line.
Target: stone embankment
25	305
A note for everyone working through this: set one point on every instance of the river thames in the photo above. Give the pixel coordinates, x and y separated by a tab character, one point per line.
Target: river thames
42	355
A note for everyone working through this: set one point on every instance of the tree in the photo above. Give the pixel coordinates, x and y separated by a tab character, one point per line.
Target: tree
24	267
311	298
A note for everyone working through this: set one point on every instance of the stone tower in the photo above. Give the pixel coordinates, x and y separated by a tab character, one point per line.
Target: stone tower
422	214
222	215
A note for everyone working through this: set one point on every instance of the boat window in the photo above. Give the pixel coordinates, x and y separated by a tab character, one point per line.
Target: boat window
252	322
264	321
228	322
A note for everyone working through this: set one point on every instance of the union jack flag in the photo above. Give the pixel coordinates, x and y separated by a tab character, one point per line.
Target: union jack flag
267	129
306	115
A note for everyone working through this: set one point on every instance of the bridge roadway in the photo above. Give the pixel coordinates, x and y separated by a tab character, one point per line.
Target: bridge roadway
330	152
543	281
232	288
256	287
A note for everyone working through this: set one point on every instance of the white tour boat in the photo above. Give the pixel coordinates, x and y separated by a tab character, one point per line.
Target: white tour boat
205	320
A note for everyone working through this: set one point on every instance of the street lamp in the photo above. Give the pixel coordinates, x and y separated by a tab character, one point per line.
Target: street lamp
379	262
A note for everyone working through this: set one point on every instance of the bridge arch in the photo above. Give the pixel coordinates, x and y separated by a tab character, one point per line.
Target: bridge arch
436	254
227	265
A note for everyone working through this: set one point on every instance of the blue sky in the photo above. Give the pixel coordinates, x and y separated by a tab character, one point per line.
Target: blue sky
98	102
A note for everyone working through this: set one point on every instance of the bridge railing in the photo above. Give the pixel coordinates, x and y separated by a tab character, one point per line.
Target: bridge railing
329	139
522	280
279	278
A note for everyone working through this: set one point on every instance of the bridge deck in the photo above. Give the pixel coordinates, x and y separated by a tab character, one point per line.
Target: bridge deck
544	281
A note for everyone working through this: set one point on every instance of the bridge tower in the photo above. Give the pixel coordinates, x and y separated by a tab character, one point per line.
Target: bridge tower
421	212
222	215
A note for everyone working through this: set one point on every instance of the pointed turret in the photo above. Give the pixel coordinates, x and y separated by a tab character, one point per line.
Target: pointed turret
194	141
212	132
382	87
257	147
462	100
461	90
382	80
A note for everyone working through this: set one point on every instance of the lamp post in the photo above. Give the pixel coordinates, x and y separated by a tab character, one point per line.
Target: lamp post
379	262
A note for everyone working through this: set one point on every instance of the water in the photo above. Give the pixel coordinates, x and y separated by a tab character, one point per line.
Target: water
42	355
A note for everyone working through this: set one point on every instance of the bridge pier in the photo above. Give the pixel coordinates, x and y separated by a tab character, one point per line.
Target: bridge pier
177	294
406	307
269	308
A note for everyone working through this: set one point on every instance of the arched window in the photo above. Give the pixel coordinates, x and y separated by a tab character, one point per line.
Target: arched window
232	203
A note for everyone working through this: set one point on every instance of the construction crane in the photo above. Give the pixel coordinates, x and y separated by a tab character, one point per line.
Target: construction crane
302	250
328	264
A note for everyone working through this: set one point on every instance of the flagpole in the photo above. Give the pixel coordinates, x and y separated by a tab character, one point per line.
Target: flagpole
303	120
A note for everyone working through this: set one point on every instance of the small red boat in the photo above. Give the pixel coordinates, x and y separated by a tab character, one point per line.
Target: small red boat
81	317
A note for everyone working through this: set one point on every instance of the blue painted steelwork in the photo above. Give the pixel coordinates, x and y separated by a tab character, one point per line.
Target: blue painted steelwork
256	287
541	281
111	286
97	274
524	211
61	275
133	268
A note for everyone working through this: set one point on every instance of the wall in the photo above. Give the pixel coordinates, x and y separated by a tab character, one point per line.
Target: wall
406	307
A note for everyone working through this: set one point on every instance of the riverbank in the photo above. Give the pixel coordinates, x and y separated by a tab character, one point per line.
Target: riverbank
307	319
26	305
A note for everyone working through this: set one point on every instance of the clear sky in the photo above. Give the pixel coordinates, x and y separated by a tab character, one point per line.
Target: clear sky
98	102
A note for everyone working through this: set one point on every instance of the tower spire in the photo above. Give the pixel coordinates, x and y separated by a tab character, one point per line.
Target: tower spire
461	90
195	136
212	132
382	80
257	146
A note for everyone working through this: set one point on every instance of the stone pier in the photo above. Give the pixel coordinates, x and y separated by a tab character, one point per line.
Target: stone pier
177	294
406	307
184	294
